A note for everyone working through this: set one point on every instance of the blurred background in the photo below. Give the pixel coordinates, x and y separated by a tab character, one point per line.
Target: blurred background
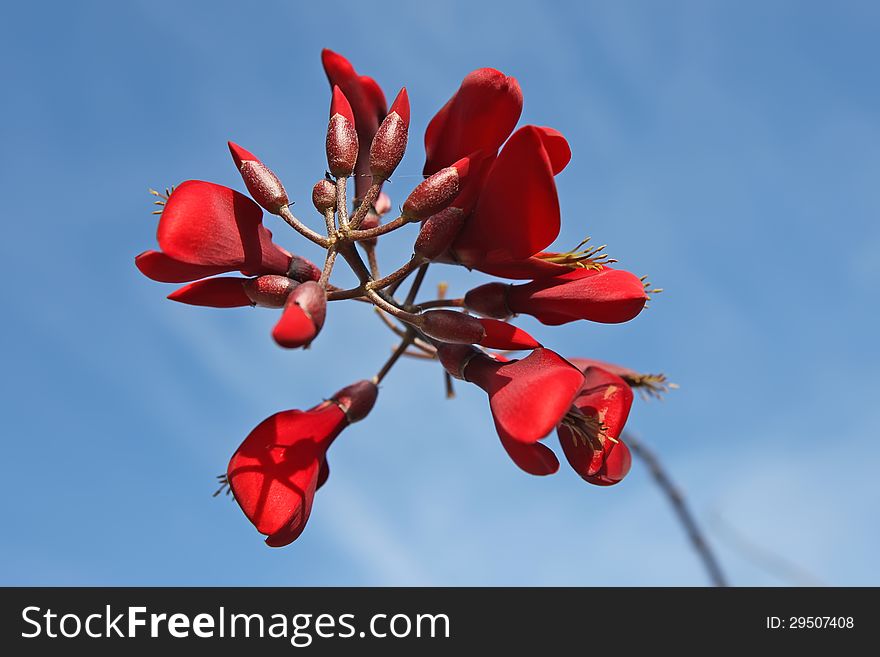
729	150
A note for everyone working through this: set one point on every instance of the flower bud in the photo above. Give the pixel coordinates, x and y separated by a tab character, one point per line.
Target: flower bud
324	195
357	400
502	335
451	326
302	269
436	192
389	143
455	358
270	291
303	316
439	232
220	292
383	204
261	182
489	300
342	139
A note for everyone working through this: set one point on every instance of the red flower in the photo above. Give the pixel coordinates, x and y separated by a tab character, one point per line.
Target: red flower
478	117
207	229
527	397
303	316
608	295
269	291
590	435
368	105
277	469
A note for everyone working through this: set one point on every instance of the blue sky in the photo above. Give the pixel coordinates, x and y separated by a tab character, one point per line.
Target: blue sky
729	150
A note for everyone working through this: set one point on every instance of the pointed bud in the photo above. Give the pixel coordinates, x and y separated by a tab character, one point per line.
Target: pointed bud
437	191
220	292
502	335
303	316
324	195
356	400
342	139
439	232
270	291
383	204
389	144
489	300
302	270
261	182
451	326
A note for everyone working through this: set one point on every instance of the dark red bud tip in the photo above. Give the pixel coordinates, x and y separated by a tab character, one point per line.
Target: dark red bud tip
324	195
357	400
302	269
312	298
439	232
389	143
339	105
239	154
270	291
455	358
451	326
435	192
502	335
489	300
462	166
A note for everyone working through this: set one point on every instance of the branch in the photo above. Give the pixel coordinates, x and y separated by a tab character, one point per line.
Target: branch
685	517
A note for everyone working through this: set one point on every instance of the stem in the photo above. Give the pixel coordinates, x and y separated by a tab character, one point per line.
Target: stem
419	344
301	228
442	303
328	266
391	309
417	283
401	348
331	225
368	202
341	209
676	499
340	295
373	261
395	276
371	233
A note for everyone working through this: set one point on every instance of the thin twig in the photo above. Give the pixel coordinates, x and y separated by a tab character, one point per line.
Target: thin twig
368	202
442	303
302	229
417	283
401	349
676	499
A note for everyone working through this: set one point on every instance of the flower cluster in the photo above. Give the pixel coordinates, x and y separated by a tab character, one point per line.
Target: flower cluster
488	202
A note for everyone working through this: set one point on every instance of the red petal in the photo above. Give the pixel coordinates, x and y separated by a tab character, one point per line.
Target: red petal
519	410
339	105
224	292
162	268
240	155
534	458
503	335
274	473
401	106
211	225
517	214
479	116
617	465
295	328
529	269
610	296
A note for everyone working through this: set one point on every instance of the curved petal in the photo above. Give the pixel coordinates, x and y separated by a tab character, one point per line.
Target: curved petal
517	214
479	116
504	335
211	225
534	458
165	269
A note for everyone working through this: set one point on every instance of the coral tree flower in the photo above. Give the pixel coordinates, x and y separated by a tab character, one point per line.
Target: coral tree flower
527	397
208	229
590	435
368	105
610	296
277	469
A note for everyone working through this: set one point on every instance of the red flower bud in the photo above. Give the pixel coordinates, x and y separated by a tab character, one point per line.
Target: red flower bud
489	300
438	232
437	191
302	270
269	291
261	182
609	296
383	204
223	292
324	195
389	144
277	469
342	139
303	316
502	335
590	435
451	326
